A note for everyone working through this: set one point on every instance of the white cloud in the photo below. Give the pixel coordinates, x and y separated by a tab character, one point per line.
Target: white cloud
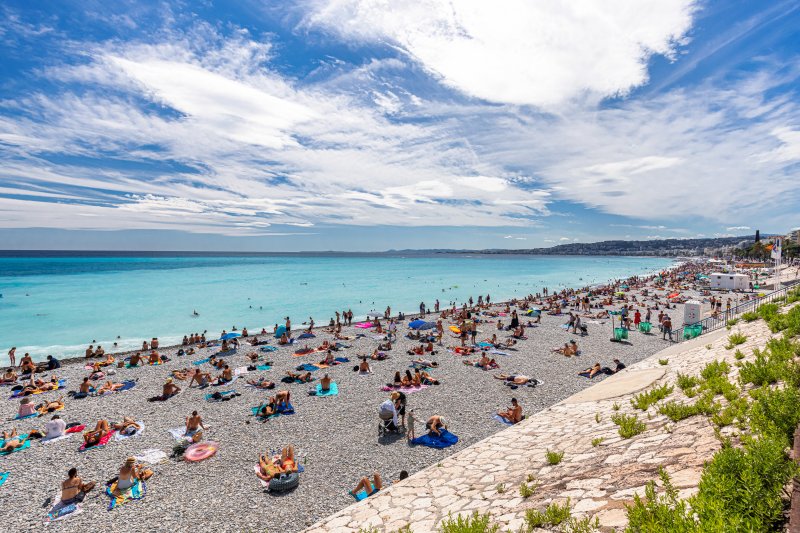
737	228
564	239
257	150
519	52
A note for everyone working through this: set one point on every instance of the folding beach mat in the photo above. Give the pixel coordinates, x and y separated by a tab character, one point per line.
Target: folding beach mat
445	440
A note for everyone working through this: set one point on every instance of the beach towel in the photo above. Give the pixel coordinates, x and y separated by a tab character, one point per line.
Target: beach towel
201	361
214	397
498	352
180	434
445	440
220	383
3	477
45	440
406	390
75	429
306	336
100	444
281	410
119	497
238	371
60	511
25	445
26	416
151	456
268	349
332	391
307	368
363	325
126	385
18	393
300	353
119	436
502	420
263	367
342	360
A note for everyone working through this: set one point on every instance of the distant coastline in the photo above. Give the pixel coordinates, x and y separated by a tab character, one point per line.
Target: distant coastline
648	248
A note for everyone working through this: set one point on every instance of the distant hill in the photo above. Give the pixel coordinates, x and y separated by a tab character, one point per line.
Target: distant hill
660	247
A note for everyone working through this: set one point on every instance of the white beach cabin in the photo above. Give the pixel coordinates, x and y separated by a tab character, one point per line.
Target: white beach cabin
729	282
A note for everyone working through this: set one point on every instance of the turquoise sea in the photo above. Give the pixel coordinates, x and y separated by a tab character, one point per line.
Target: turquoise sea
59	304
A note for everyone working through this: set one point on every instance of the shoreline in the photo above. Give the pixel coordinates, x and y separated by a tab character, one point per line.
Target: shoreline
411	315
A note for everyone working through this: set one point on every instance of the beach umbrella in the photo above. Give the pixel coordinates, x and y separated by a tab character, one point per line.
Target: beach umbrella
414	324
421	325
231	335
375	314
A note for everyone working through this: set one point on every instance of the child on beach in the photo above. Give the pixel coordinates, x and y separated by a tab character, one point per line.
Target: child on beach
410	420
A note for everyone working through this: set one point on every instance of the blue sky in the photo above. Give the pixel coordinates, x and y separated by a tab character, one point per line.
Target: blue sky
372	125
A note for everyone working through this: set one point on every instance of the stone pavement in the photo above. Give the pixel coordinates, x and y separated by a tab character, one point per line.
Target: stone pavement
597	480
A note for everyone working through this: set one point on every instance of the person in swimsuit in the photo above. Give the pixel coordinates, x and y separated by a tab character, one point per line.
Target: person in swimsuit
226	376
74	490
261	383
9	377
154	358
370	487
363	366
436	424
130	473
52	406
201	378
300	378
135	360
325	383
591	372
513	414
109	386
128	426
194	424
101	429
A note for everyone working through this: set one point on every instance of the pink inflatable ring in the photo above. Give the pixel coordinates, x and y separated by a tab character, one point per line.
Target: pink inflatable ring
200	451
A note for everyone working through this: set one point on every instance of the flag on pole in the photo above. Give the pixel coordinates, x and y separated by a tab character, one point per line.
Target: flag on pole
776	249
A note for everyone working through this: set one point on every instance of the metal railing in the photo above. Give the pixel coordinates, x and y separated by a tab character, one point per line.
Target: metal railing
713	323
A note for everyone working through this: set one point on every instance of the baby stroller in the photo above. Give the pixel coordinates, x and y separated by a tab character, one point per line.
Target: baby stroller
386	425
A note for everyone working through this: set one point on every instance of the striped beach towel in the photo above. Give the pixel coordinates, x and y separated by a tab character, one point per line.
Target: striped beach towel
119	497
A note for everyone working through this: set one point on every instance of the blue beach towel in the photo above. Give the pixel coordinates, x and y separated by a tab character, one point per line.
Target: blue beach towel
445	440
210	397
306	336
263	367
3	477
502	420
287	410
26	416
342	360
268	349
201	361
333	391
308	367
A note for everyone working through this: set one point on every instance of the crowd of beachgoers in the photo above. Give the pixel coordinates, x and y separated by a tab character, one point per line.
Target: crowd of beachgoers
276	428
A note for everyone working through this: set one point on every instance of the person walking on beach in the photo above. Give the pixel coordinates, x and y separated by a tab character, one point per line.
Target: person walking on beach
667	326
12	355
422	309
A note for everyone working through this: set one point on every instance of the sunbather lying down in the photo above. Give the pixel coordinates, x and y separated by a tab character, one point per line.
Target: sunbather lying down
517	380
591	372
101	429
369	487
270	467
302	378
52	406
484	363
12	442
109	386
128	426
261	383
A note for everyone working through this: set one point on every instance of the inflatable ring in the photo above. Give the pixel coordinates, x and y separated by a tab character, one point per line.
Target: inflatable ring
284	482
200	451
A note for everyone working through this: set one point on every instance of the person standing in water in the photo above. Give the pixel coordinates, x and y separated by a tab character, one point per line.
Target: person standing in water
12	355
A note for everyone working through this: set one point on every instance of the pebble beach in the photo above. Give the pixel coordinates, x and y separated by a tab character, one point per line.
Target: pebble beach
336	437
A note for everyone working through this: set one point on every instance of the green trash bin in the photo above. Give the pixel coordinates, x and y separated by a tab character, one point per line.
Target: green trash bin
645	327
690	332
620	334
